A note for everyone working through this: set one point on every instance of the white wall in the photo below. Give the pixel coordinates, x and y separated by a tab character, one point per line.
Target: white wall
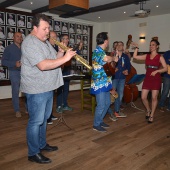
155	26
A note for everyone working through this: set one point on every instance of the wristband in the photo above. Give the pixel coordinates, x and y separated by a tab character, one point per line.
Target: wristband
137	48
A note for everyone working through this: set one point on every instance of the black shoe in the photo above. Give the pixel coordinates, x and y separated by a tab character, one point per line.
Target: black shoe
39	158
53	117
147	117
49	148
49	122
148	114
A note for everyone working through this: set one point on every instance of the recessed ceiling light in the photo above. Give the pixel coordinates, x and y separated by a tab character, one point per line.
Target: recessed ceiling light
31	2
99	17
124	12
157	6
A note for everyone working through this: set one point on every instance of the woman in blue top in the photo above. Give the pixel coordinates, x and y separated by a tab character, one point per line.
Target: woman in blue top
101	84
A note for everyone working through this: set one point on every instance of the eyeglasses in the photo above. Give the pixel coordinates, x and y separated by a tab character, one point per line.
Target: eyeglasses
65	38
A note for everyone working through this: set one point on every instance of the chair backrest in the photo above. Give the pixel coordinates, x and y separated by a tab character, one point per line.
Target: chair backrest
87	100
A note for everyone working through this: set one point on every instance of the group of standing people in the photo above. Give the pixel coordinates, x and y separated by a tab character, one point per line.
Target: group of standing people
40	69
101	84
35	67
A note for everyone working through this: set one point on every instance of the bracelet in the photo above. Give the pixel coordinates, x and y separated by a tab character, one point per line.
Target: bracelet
137	48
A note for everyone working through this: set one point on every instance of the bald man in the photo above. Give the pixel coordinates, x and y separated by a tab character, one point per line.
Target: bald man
11	59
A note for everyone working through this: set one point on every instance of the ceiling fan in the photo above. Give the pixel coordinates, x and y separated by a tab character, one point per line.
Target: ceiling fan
142	13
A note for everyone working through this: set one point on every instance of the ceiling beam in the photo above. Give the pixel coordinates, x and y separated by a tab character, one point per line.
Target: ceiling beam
8	3
93	9
113	5
40	10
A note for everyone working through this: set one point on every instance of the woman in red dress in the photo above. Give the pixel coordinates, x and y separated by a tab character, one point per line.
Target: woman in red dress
155	65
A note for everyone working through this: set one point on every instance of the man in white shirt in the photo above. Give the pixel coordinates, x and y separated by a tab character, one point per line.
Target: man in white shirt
2	36
10	20
1	47
2	74
72	39
57	26
79	29
78	39
22	32
71	29
21	22
29	24
85	29
1	20
85	50
64	28
85	41
11	33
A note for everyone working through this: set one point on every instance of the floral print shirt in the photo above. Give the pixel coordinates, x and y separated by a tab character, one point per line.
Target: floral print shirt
100	82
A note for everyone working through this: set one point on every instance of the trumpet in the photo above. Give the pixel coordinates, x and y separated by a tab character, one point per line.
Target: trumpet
77	57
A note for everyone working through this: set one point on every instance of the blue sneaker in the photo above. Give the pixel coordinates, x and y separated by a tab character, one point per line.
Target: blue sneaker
104	125
99	128
67	108
59	109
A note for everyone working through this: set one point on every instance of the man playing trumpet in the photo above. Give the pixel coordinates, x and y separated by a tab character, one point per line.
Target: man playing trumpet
40	75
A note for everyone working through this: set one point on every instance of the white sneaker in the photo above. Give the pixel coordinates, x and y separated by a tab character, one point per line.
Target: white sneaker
113	118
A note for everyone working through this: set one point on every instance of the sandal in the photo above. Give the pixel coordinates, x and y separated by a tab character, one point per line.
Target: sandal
148	115
150	120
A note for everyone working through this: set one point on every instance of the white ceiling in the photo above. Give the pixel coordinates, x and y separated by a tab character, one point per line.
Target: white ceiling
112	15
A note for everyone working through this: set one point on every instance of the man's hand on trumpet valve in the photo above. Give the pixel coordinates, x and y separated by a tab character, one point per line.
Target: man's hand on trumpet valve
69	54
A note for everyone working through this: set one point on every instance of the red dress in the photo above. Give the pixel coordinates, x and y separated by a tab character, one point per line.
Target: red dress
152	82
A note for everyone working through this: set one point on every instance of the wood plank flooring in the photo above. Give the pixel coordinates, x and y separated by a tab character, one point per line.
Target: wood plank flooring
130	143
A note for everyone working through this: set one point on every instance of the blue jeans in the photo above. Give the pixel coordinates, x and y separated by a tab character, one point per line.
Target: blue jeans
62	92
119	85
103	103
39	109
14	77
165	91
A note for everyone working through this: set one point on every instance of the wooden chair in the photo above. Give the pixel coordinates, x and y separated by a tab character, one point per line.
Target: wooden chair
88	101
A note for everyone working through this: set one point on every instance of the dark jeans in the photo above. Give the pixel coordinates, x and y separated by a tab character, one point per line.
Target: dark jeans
14	77
62	92
165	91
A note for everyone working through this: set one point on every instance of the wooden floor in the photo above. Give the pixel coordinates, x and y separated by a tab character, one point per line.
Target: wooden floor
130	143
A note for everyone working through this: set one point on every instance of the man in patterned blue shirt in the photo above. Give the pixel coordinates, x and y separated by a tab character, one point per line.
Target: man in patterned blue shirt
101	84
